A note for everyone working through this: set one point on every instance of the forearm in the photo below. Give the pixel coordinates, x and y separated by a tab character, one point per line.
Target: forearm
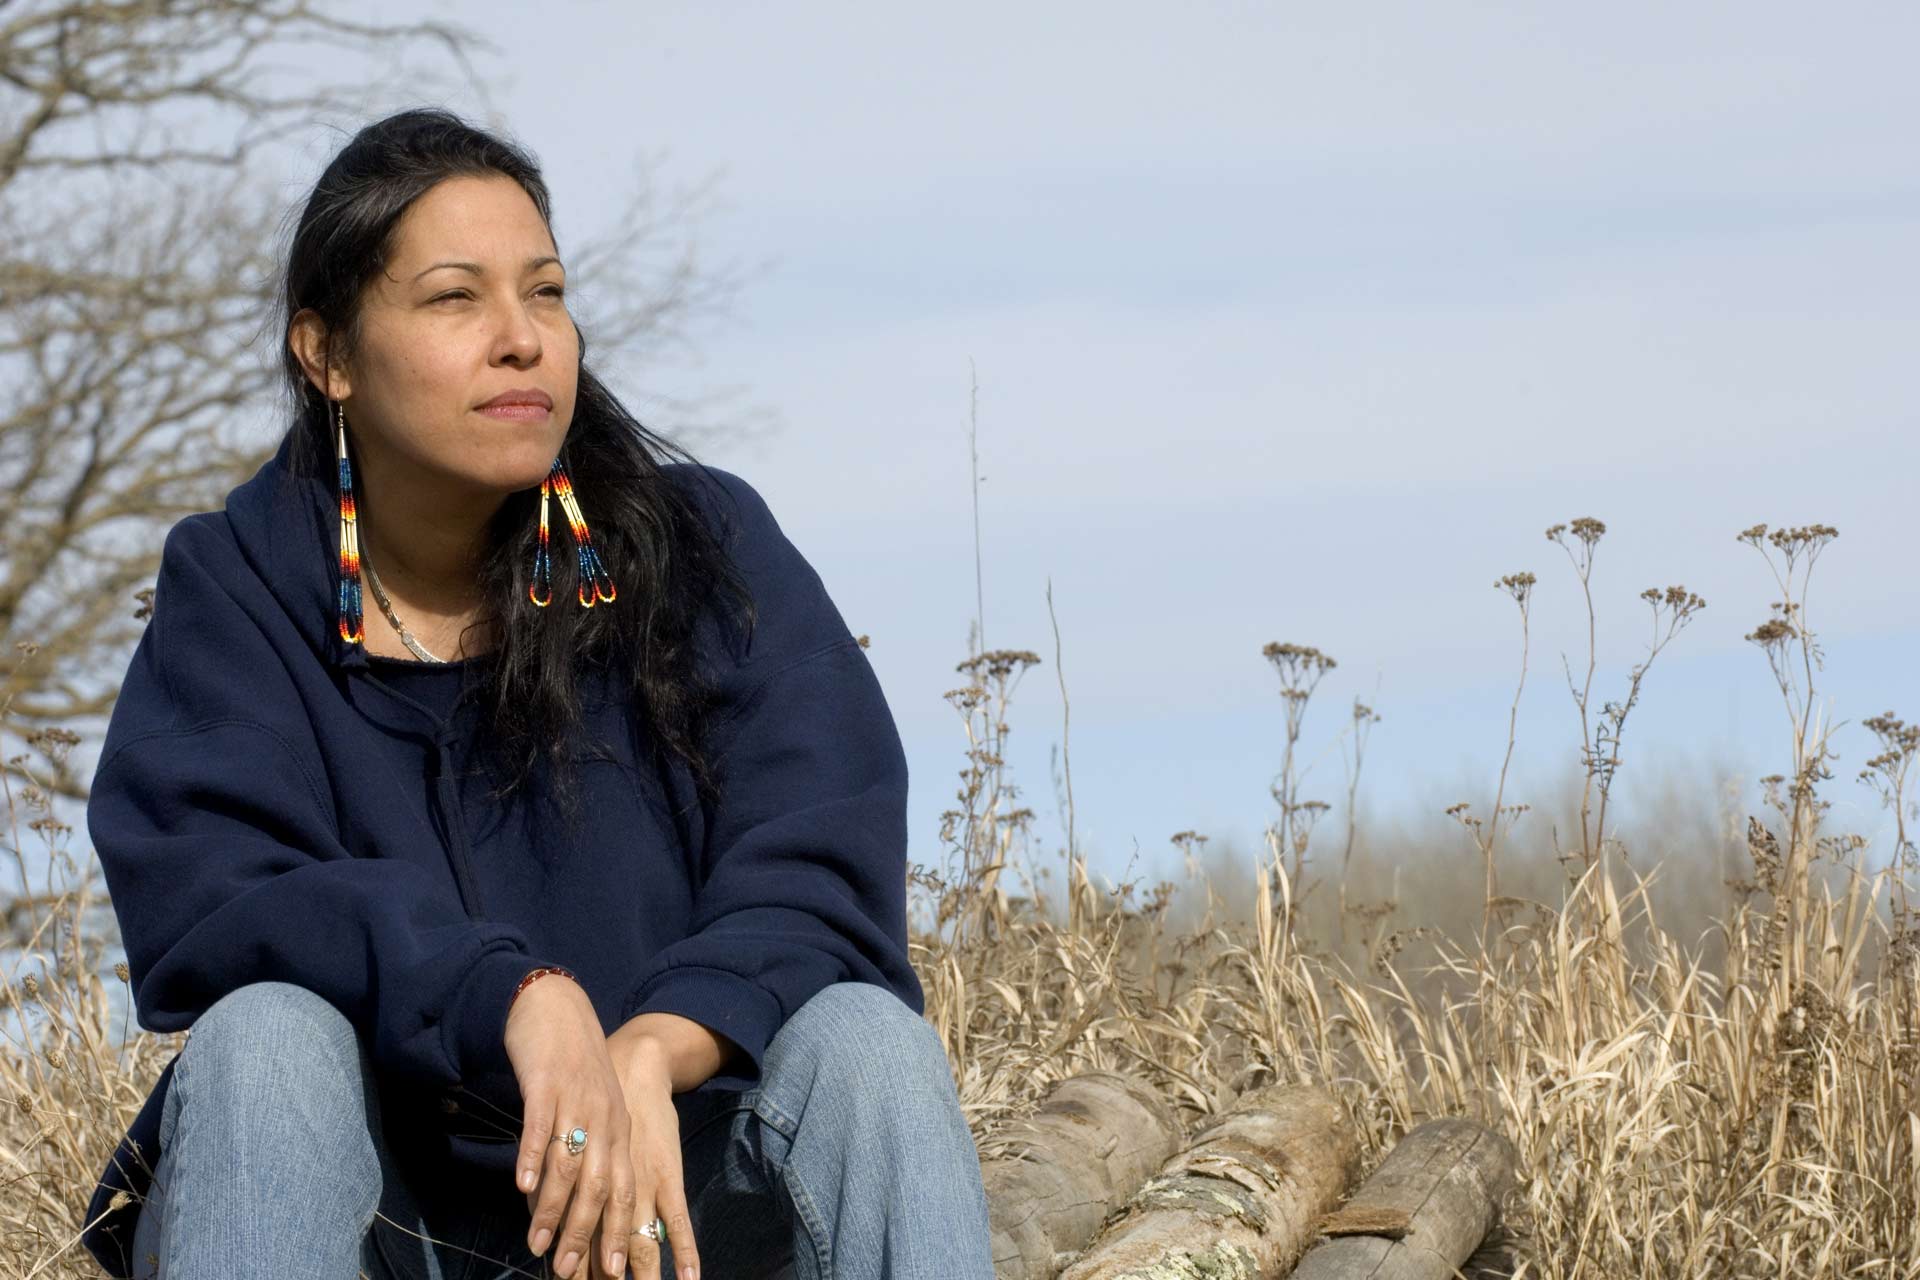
691	1053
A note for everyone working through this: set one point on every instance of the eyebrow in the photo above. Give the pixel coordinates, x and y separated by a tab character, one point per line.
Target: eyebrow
476	269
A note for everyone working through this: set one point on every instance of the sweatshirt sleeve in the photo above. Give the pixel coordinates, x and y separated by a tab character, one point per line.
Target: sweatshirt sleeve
219	841
805	861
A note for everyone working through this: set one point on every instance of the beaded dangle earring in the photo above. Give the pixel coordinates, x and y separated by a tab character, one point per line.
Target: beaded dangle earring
351	628
592	569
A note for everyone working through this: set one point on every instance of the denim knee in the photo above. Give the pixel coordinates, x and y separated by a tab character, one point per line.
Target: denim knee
861	1040
276	1067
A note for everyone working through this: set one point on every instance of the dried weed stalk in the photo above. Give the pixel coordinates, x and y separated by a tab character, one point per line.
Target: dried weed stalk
1601	729
1300	669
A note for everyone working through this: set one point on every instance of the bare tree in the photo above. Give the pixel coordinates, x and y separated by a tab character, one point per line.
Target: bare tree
138	382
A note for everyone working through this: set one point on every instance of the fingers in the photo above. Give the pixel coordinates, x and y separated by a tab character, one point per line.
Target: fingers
538	1112
598	1256
669	1201
672	1205
556	1186
617	1218
590	1191
646	1253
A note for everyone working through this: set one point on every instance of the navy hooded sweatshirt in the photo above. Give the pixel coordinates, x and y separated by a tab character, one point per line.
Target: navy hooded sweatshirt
274	803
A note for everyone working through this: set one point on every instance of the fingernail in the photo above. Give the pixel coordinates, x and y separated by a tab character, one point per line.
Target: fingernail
688	1273
619	1266
566	1263
540	1239
526	1179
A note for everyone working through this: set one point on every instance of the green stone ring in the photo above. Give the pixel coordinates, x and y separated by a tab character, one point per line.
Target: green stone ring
655	1230
576	1140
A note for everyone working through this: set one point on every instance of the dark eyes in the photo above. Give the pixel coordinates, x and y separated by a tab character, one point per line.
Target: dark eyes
554	290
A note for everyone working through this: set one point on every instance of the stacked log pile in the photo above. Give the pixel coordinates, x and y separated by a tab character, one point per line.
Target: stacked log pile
1102	1183
1094	1140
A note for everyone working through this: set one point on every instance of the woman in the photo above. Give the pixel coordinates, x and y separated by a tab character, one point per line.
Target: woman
551	915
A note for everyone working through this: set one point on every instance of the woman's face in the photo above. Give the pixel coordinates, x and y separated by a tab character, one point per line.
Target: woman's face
439	341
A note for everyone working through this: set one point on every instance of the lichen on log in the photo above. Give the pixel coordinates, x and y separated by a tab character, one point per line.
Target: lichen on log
1054	1176
1241	1202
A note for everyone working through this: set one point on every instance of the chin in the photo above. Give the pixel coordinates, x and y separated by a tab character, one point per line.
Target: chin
520	465
525	477
503	476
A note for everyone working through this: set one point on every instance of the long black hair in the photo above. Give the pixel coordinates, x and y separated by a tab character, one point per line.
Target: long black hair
667	563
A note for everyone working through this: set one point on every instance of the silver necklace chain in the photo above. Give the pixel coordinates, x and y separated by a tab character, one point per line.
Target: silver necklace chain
386	607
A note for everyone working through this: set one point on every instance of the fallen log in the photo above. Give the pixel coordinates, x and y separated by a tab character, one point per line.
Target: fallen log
1062	1170
1423	1213
1241	1202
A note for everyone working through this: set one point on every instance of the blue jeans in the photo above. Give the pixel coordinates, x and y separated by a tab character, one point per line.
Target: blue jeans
849	1158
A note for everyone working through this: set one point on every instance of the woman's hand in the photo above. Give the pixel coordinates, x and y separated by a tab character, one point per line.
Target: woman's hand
567	1079
642	1062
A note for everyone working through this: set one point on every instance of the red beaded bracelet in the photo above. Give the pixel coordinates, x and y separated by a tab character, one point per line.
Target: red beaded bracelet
543	969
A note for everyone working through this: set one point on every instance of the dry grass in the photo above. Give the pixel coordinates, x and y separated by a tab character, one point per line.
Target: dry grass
1690	1098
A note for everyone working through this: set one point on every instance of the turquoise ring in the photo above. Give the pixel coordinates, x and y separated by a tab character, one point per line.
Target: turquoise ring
576	1140
655	1230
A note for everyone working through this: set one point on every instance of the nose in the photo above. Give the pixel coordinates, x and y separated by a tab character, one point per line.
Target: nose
517	339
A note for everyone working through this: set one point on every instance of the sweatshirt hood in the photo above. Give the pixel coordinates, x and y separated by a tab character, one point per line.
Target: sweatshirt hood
287	528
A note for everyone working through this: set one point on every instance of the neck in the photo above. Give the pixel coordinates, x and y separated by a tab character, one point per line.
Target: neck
426	539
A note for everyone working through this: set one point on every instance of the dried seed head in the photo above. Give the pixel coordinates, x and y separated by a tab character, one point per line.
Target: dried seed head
1678	599
1304	656
54	743
1898	737
1517	585
965	700
1792	543
1803	538
1763	847
1299	667
999	663
120	970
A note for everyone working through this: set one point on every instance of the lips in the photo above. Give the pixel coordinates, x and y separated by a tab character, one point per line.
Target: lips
522	397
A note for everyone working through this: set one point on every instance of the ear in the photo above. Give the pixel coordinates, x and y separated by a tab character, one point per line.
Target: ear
307	338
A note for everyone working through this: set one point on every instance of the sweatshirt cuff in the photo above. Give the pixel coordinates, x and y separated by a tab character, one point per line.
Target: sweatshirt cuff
743	1011
475	1030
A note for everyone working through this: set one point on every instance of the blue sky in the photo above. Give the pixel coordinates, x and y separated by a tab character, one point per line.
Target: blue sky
1292	323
